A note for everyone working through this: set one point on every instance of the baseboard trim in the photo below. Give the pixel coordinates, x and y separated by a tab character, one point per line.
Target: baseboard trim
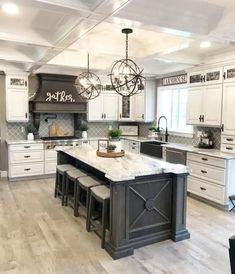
3	174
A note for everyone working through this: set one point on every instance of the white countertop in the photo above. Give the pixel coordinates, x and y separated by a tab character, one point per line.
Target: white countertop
210	152
124	168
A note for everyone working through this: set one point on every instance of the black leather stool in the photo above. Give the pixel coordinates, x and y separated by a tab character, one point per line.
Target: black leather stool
60	180
100	194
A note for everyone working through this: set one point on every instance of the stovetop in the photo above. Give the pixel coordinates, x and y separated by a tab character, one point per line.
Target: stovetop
56	138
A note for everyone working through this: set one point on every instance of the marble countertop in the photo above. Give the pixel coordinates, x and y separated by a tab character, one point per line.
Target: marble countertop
124	168
210	152
18	142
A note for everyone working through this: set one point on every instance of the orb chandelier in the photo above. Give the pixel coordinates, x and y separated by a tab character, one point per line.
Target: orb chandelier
88	84
125	75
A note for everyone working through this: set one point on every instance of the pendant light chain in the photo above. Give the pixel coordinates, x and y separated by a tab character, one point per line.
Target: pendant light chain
126	46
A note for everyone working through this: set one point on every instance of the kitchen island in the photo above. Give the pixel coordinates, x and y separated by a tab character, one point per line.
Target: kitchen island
147	202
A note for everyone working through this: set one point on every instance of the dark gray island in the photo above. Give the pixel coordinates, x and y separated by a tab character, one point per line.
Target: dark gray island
148	198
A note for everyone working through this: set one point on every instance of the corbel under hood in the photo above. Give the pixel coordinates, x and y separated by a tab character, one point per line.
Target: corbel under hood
57	94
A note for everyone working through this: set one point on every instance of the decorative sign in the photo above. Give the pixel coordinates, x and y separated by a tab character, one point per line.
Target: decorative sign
103	145
175	80
59	96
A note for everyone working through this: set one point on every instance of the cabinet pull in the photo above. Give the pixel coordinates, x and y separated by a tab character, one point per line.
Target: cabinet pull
26	114
203	171
229	148
142	116
200	118
120	115
203	118
27	156
202	188
26	146
222	127
224	75
104	116
229	139
27	169
204	159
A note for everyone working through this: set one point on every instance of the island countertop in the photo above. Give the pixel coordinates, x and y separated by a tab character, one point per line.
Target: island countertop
124	168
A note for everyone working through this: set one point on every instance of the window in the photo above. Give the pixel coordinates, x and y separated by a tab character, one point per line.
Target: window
171	102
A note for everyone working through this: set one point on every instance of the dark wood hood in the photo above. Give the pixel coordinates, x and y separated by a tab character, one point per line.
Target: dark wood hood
57	94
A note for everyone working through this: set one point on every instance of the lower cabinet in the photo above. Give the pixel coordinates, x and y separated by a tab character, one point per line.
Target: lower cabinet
130	145
25	160
211	177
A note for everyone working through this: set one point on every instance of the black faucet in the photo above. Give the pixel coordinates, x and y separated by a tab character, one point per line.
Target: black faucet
158	127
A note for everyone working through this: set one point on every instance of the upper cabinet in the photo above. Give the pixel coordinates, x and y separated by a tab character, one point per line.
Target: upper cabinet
144	103
204	105
207	77
126	108
104	107
229	108
17	107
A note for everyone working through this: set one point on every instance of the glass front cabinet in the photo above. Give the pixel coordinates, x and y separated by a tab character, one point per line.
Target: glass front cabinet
212	76
229	74
126	108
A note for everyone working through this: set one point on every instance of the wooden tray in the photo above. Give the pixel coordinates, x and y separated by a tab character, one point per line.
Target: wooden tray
110	154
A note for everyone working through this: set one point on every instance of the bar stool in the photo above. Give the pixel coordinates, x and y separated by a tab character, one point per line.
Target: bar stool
84	183
100	194
60	180
71	177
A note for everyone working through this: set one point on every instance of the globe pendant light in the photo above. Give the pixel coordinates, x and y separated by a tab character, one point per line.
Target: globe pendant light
125	75
88	84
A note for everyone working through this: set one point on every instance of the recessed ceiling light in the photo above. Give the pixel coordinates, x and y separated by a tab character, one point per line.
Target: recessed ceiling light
10	8
205	44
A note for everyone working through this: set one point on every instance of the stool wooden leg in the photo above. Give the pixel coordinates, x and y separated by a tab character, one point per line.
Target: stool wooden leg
76	198
104	213
90	209
63	189
88	194
66	192
56	183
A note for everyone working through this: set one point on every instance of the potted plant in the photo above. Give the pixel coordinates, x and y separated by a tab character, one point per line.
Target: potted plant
84	127
111	148
30	130
114	138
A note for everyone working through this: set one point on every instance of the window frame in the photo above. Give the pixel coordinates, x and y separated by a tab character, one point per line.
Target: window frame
177	132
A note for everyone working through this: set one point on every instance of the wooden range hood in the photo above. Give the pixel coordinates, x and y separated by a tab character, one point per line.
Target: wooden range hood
57	94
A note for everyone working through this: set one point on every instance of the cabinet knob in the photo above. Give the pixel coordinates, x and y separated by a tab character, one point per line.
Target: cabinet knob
204	159
27	156
26	146
202	188
203	171
27	169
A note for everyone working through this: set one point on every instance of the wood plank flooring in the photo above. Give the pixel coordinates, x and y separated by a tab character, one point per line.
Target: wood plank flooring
37	235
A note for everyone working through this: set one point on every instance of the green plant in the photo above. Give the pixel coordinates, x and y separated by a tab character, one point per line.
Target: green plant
83	127
114	133
111	147
30	128
154	128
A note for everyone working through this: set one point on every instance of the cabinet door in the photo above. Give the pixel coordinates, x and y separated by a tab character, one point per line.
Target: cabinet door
212	105
229	74
213	76
139	106
110	106
95	109
194	105
125	108
228	114
17	105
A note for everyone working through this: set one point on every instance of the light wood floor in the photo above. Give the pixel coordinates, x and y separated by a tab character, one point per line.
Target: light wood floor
37	235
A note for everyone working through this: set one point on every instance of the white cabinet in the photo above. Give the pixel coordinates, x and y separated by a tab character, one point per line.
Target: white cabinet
206	77
17	99
144	103
104	107
204	105
25	160
228	115
211	177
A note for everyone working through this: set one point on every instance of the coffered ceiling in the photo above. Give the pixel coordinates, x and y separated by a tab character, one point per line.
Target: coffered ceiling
56	35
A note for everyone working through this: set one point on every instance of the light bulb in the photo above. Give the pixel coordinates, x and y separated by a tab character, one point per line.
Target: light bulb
93	81
126	70
116	73
83	82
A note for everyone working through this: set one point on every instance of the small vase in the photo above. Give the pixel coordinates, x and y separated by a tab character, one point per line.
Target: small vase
84	134
30	136
117	143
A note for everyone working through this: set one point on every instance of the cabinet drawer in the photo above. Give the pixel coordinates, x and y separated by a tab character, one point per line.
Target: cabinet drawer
228	148
134	149
25	147
134	144
50	167
50	155
26	156
207	172
206	190
219	162
23	170
226	139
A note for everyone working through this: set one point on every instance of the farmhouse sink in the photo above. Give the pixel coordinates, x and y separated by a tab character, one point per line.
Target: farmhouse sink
152	148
